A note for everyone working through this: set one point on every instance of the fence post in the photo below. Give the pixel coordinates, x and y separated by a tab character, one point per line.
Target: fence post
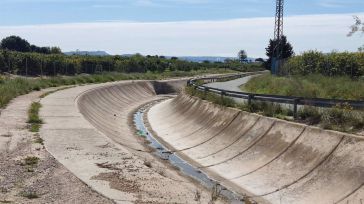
295	107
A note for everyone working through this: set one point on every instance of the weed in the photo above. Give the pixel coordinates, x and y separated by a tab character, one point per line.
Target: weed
31	161
310	115
29	194
34	127
247	201
197	195
215	193
39	140
161	172
33	117
33	113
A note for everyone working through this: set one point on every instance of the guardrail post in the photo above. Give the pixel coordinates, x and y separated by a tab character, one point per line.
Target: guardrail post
206	90
295	108
250	98
189	83
222	95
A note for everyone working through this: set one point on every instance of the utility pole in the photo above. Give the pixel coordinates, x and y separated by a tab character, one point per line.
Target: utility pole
278	33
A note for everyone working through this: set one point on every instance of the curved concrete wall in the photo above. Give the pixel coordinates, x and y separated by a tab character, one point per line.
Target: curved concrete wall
102	154
108	107
271	160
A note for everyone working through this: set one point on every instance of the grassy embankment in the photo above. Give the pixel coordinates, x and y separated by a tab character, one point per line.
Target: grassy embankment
310	86
341	118
13	87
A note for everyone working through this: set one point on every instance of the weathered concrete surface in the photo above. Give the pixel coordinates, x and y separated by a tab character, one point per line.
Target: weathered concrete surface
48	178
13	120
271	160
89	130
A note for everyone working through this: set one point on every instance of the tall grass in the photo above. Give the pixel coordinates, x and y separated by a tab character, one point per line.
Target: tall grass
310	86
13	87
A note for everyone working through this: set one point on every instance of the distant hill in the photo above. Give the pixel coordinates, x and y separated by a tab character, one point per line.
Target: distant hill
205	58
198	59
211	59
90	53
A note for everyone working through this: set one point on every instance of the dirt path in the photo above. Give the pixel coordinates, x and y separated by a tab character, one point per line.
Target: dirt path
24	178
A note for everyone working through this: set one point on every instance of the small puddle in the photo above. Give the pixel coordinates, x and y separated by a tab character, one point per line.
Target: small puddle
189	170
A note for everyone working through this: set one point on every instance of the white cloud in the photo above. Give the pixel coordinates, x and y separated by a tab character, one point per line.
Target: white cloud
225	38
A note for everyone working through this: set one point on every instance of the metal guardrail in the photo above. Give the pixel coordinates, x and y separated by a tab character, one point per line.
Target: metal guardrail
295	101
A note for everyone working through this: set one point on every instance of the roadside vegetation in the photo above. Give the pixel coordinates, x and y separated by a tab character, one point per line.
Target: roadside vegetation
340	118
308	86
314	74
11	87
333	64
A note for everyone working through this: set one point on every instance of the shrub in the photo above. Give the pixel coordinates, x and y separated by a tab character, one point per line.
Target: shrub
332	64
31	161
309	115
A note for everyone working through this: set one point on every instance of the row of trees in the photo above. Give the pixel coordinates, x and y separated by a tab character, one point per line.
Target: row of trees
16	43
35	64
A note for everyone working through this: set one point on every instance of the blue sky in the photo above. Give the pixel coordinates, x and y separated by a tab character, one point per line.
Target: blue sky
25	12
180	27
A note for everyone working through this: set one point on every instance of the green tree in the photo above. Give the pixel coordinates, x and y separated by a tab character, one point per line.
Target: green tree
55	50
361	49
15	43
286	50
242	55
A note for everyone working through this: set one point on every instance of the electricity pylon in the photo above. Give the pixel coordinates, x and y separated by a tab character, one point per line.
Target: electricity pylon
278	33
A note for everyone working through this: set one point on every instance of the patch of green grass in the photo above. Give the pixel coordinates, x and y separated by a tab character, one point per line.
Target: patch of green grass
39	140
33	117
31	161
309	86
34	127
33	113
